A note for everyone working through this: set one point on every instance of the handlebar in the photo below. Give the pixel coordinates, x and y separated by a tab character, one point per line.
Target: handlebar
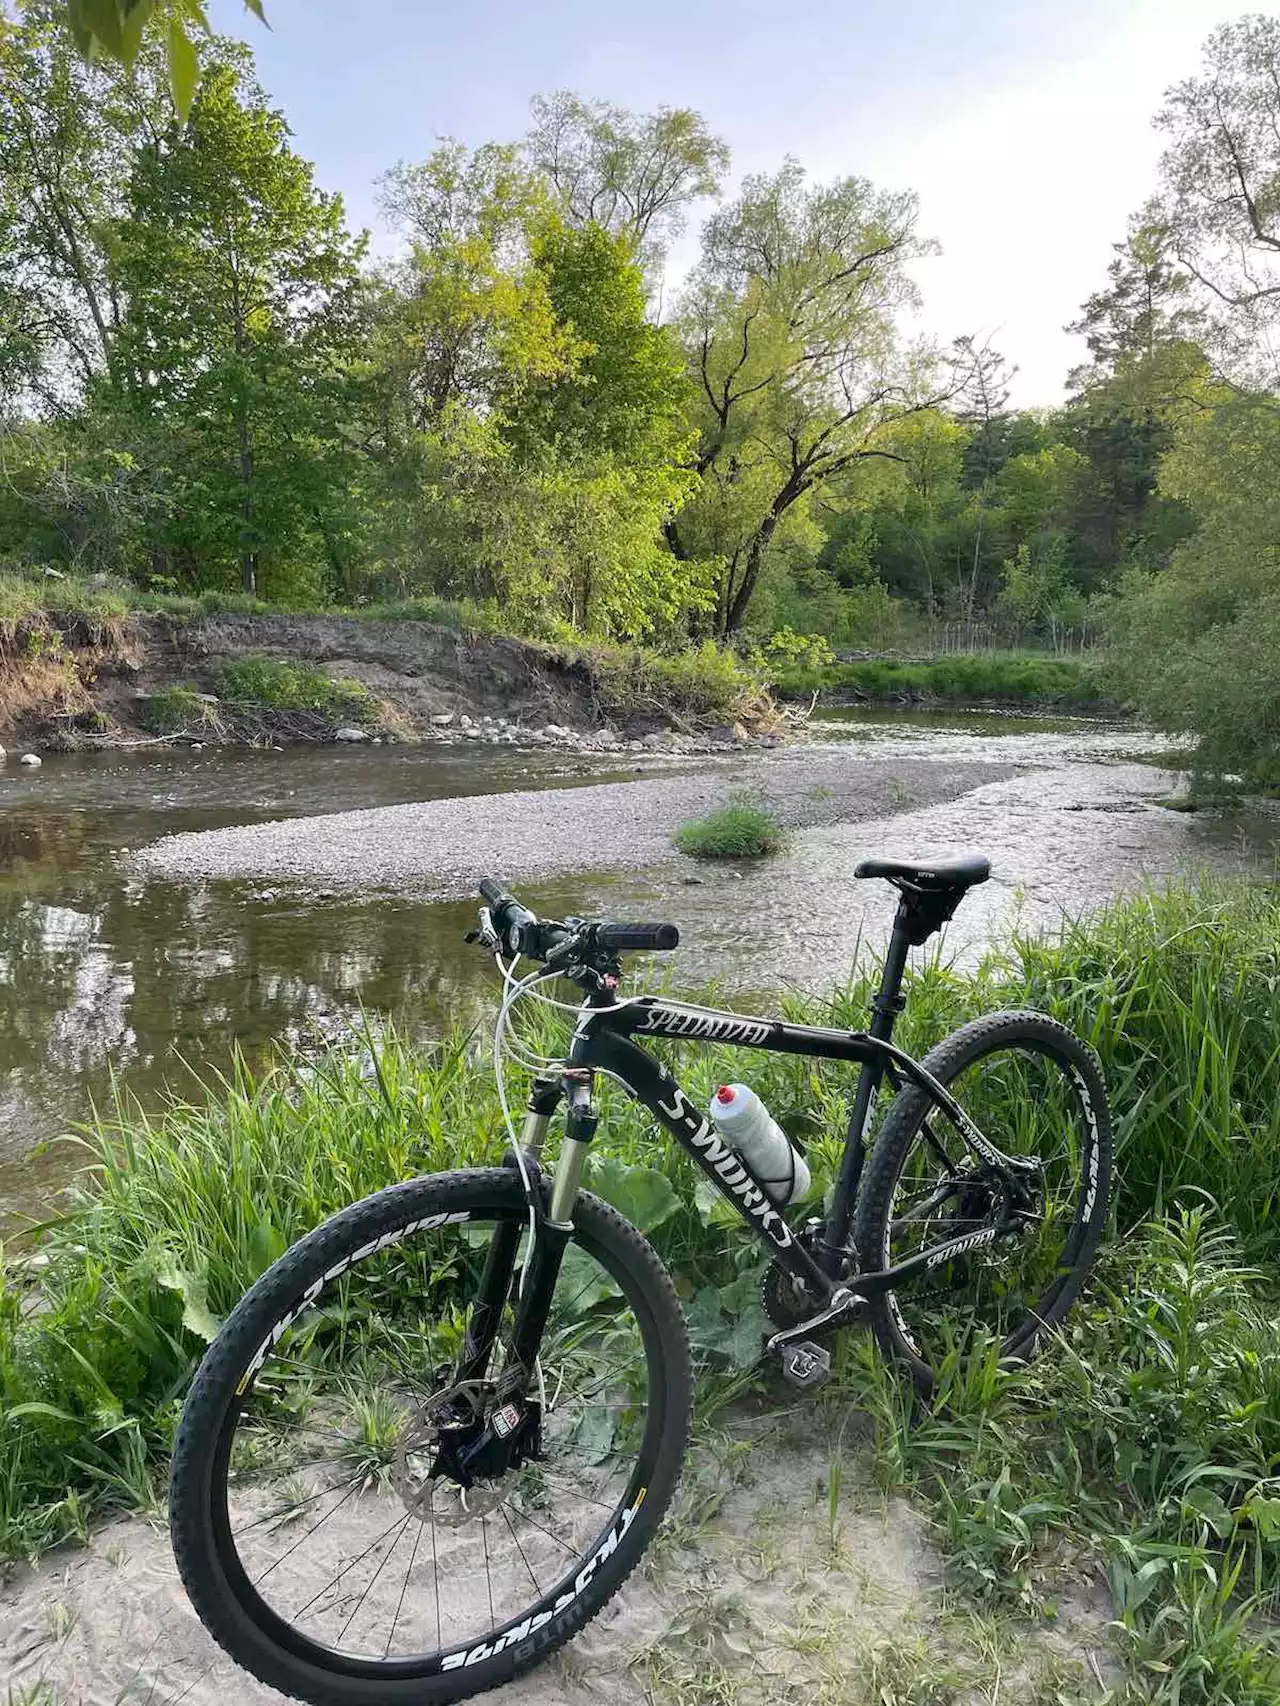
523	932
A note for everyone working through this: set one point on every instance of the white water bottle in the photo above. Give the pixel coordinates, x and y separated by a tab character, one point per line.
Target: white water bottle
743	1121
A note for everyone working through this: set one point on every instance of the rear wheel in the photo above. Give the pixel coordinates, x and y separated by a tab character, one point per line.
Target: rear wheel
319	1526
1034	1090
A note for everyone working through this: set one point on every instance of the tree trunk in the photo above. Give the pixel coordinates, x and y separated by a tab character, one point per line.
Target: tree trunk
248	556
755	557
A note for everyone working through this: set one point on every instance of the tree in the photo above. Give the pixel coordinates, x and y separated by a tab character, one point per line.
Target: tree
634	174
534	421
982	406
1197	647
67	135
789	328
1219	201
242	292
1141	331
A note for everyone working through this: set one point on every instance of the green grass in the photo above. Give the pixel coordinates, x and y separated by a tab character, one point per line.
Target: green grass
177	710
47	608
743	829
1147	1443
968	679
272	684
1144	1446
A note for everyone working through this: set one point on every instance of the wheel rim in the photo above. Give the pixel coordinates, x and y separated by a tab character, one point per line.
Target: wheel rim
1029	1102
331	1532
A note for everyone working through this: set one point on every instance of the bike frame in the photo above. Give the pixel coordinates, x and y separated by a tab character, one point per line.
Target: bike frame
605	1041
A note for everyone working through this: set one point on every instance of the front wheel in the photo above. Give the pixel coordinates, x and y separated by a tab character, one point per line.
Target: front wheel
317	1521
1035	1091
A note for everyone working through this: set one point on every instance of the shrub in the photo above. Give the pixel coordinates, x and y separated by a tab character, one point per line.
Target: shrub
177	710
964	679
743	829
272	684
705	683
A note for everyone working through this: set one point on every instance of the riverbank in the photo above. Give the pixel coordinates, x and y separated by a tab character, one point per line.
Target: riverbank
102	675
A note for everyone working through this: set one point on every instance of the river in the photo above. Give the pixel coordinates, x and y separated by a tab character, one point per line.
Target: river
112	977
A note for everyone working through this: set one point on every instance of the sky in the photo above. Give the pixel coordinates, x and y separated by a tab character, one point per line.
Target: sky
1023	125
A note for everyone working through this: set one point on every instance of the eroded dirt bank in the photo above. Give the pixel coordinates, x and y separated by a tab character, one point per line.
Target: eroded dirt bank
78	686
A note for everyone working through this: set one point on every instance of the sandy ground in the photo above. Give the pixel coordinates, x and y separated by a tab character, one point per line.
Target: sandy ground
440	846
759	1592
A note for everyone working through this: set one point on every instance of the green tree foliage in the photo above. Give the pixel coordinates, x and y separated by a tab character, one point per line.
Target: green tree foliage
790	327
1197	643
533	419
634	175
1197	647
1219	202
242	371
117	29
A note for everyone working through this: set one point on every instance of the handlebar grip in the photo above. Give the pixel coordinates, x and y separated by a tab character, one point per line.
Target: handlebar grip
642	938
495	894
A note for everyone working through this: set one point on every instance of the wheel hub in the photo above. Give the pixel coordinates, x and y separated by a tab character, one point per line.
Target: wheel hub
454	1466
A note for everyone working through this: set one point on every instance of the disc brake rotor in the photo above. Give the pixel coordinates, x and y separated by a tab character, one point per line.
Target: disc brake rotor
432	1496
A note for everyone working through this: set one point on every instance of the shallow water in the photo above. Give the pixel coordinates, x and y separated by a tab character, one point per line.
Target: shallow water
110	975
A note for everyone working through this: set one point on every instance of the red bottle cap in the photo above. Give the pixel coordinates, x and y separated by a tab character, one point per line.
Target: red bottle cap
726	1093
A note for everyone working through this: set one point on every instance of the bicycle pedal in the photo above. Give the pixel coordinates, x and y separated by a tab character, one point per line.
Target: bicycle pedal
806	1364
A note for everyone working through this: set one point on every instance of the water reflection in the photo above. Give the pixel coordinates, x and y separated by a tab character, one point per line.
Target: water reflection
105	976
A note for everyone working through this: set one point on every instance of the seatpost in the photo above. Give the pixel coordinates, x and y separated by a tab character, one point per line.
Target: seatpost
888	1001
885	1007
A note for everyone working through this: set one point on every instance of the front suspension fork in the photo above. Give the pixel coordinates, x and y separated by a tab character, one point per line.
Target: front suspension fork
553	1230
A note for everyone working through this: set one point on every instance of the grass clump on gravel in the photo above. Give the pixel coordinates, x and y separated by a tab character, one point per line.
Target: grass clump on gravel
742	829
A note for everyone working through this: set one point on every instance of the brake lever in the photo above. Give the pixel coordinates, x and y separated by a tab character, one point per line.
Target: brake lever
485	934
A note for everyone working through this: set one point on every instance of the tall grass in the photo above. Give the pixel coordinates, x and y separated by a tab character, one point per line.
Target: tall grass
1144	1446
1179	991
274	684
984	677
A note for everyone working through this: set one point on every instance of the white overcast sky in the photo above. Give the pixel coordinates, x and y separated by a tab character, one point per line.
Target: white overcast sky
1024	125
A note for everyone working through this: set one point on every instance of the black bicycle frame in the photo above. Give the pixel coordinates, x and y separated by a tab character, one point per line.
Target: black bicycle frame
832	1274
604	1042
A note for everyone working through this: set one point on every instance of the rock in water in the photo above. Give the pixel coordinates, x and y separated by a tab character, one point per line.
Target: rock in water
31	759
443	720
350	734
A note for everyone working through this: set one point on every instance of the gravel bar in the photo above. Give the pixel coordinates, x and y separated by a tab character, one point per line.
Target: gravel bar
437	848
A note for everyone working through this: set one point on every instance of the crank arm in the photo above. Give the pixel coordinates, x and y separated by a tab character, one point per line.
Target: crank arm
845	1305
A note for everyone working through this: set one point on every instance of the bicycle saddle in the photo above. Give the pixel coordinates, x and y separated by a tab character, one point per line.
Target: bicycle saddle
958	873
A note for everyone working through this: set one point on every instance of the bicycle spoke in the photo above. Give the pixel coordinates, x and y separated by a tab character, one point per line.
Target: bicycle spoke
350	1493
519	1548
373	1578
404	1586
399	1523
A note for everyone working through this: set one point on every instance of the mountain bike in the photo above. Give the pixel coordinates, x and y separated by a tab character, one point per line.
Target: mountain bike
438	1434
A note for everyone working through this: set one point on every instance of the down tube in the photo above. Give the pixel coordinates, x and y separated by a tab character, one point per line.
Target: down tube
650	1081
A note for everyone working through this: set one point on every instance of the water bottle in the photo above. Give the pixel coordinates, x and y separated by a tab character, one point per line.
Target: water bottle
746	1124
